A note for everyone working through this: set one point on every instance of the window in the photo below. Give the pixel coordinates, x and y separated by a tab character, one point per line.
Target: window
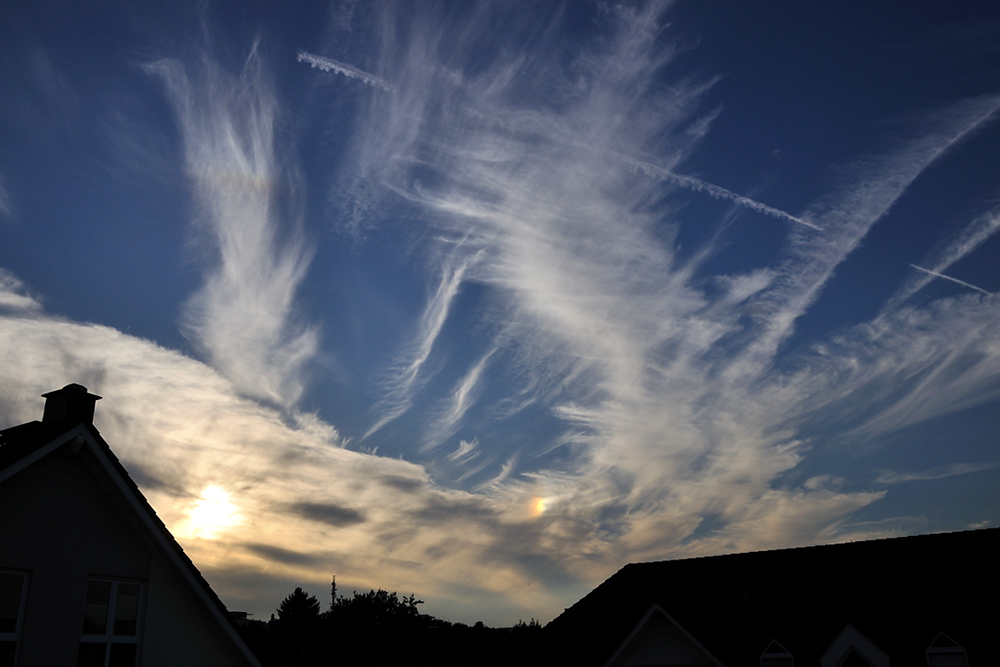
13	586
112	621
855	659
775	655
946	652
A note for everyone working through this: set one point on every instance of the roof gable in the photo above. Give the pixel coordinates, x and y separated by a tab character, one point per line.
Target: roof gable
658	639
24	445
898	592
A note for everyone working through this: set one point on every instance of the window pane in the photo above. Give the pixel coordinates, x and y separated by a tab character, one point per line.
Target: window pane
128	589
855	659
95	619
126	609
7	650
91	655
10	600
947	660
98	592
776	662
122	655
95	614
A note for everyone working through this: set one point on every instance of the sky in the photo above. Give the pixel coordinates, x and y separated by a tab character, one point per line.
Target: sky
483	300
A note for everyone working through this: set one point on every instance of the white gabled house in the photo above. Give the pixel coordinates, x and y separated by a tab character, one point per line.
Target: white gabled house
89	575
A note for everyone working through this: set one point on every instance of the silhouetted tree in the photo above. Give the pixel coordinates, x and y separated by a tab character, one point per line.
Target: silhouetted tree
383	628
299	607
296	629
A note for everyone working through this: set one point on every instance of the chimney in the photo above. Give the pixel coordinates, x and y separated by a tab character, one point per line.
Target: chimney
72	401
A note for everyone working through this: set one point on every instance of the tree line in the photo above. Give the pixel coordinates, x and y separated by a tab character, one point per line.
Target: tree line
379	628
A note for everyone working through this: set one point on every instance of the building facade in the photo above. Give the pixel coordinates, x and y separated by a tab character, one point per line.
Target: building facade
89	575
925	600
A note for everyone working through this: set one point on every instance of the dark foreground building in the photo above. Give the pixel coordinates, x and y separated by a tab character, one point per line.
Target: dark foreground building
927	600
89	575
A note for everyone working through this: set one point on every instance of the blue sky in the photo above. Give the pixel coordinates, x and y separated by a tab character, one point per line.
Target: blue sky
484	300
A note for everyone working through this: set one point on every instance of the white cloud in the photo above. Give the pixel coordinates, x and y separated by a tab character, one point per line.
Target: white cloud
673	405
940	472
462	398
6	207
464	450
13	295
244	317
398	390
298	504
975	234
678	418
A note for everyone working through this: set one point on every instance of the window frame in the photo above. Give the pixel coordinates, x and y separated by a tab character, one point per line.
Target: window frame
949	648
109	638
776	654
21	605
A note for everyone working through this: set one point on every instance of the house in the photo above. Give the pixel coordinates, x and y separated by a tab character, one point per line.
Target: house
921	600
88	574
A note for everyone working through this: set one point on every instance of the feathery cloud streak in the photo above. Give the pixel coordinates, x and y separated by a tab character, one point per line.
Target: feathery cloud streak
399	388
601	368
673	404
244	317
306	503
975	234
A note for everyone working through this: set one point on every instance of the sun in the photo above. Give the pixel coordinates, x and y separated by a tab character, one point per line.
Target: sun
211	513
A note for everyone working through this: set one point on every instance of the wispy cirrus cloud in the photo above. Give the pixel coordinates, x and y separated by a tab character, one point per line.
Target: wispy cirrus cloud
248	226
602	369
464	394
675	400
13	294
974	235
398	389
6	207
181	428
940	472
846	216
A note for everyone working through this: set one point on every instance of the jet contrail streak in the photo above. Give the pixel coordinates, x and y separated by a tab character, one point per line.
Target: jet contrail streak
698	185
328	65
954	280
689	182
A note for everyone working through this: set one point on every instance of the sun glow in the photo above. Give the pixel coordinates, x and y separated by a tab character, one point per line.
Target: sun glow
538	506
213	512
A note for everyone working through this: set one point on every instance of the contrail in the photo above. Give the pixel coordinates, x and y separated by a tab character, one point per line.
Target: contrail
698	185
328	65
954	280
689	182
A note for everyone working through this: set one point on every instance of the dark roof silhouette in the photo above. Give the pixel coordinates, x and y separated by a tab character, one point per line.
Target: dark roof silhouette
900	593
67	421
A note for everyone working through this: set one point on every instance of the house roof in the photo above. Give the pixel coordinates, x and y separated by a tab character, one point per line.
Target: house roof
23	445
900	593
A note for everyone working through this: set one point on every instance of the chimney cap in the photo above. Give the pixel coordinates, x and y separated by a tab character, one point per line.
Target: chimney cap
74	388
73	400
